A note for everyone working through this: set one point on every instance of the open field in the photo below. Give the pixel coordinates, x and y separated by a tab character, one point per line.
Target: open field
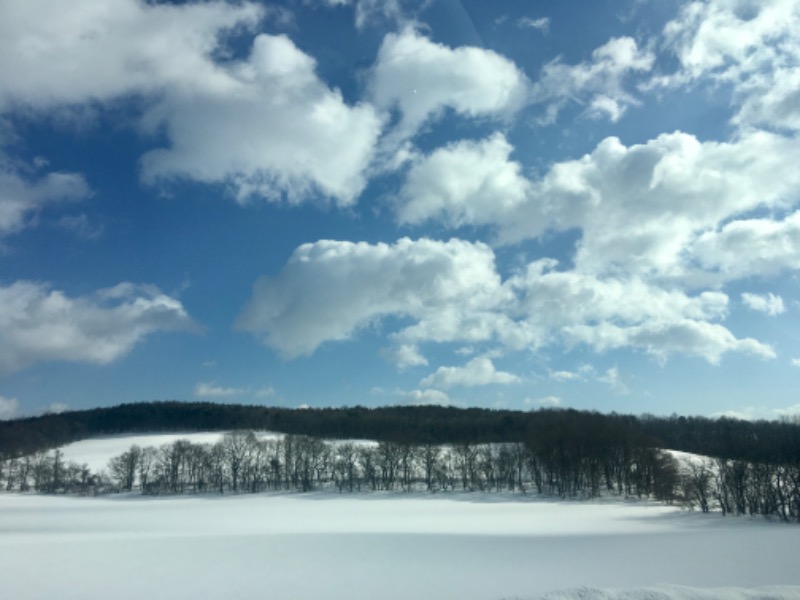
378	545
374	546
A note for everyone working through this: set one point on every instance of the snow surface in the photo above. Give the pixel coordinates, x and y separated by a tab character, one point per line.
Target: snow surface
393	546
380	546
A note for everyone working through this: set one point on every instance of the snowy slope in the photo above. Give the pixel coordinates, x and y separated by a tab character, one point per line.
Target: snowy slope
96	452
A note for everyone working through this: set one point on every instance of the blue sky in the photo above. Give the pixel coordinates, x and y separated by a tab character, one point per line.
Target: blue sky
336	202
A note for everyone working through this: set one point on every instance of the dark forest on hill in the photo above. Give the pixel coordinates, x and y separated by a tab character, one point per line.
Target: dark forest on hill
752	467
768	441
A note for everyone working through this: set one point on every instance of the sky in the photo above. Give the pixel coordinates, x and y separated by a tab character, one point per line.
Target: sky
590	205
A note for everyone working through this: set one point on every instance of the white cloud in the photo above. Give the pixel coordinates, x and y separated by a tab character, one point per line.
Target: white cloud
206	389
376	12
547	401
97	50
541	24
599	82
752	45
727	38
750	247
212	390
796	362
614	381
56	408
663	338
427	398
757	413
264	392
478	371
463	183
565	376
23	194
395	13
8	408
641	207
330	289
81	226
405	356
791	413
769	304
561	298
40	324
652	209
280	132
422	78
774	103
450	292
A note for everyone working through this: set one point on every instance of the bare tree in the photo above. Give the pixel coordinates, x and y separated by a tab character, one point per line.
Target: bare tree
697	485
238	447
123	468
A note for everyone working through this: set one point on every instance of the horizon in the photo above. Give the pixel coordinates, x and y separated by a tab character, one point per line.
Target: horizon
57	411
331	203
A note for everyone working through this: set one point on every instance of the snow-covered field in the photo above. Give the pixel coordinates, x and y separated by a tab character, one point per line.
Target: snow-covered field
376	546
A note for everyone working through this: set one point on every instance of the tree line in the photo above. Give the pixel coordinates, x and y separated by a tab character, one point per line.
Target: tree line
752	467
242	462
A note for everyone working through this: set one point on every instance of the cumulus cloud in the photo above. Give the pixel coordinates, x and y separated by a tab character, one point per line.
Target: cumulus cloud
599	83
728	38
8	408
769	304
330	289
560	298
405	356
790	413
545	402
750	247
614	380
663	338
98	50
478	371
395	12
212	390
421	79
23	194
463	183
279	133
40	324
378	12
673	208
451	292
541	24
565	376
773	103
427	397
753	46
641	207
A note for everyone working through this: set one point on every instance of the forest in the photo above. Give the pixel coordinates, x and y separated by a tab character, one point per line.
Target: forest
750	468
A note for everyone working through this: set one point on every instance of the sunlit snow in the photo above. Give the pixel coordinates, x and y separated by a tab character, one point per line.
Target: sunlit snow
381	545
